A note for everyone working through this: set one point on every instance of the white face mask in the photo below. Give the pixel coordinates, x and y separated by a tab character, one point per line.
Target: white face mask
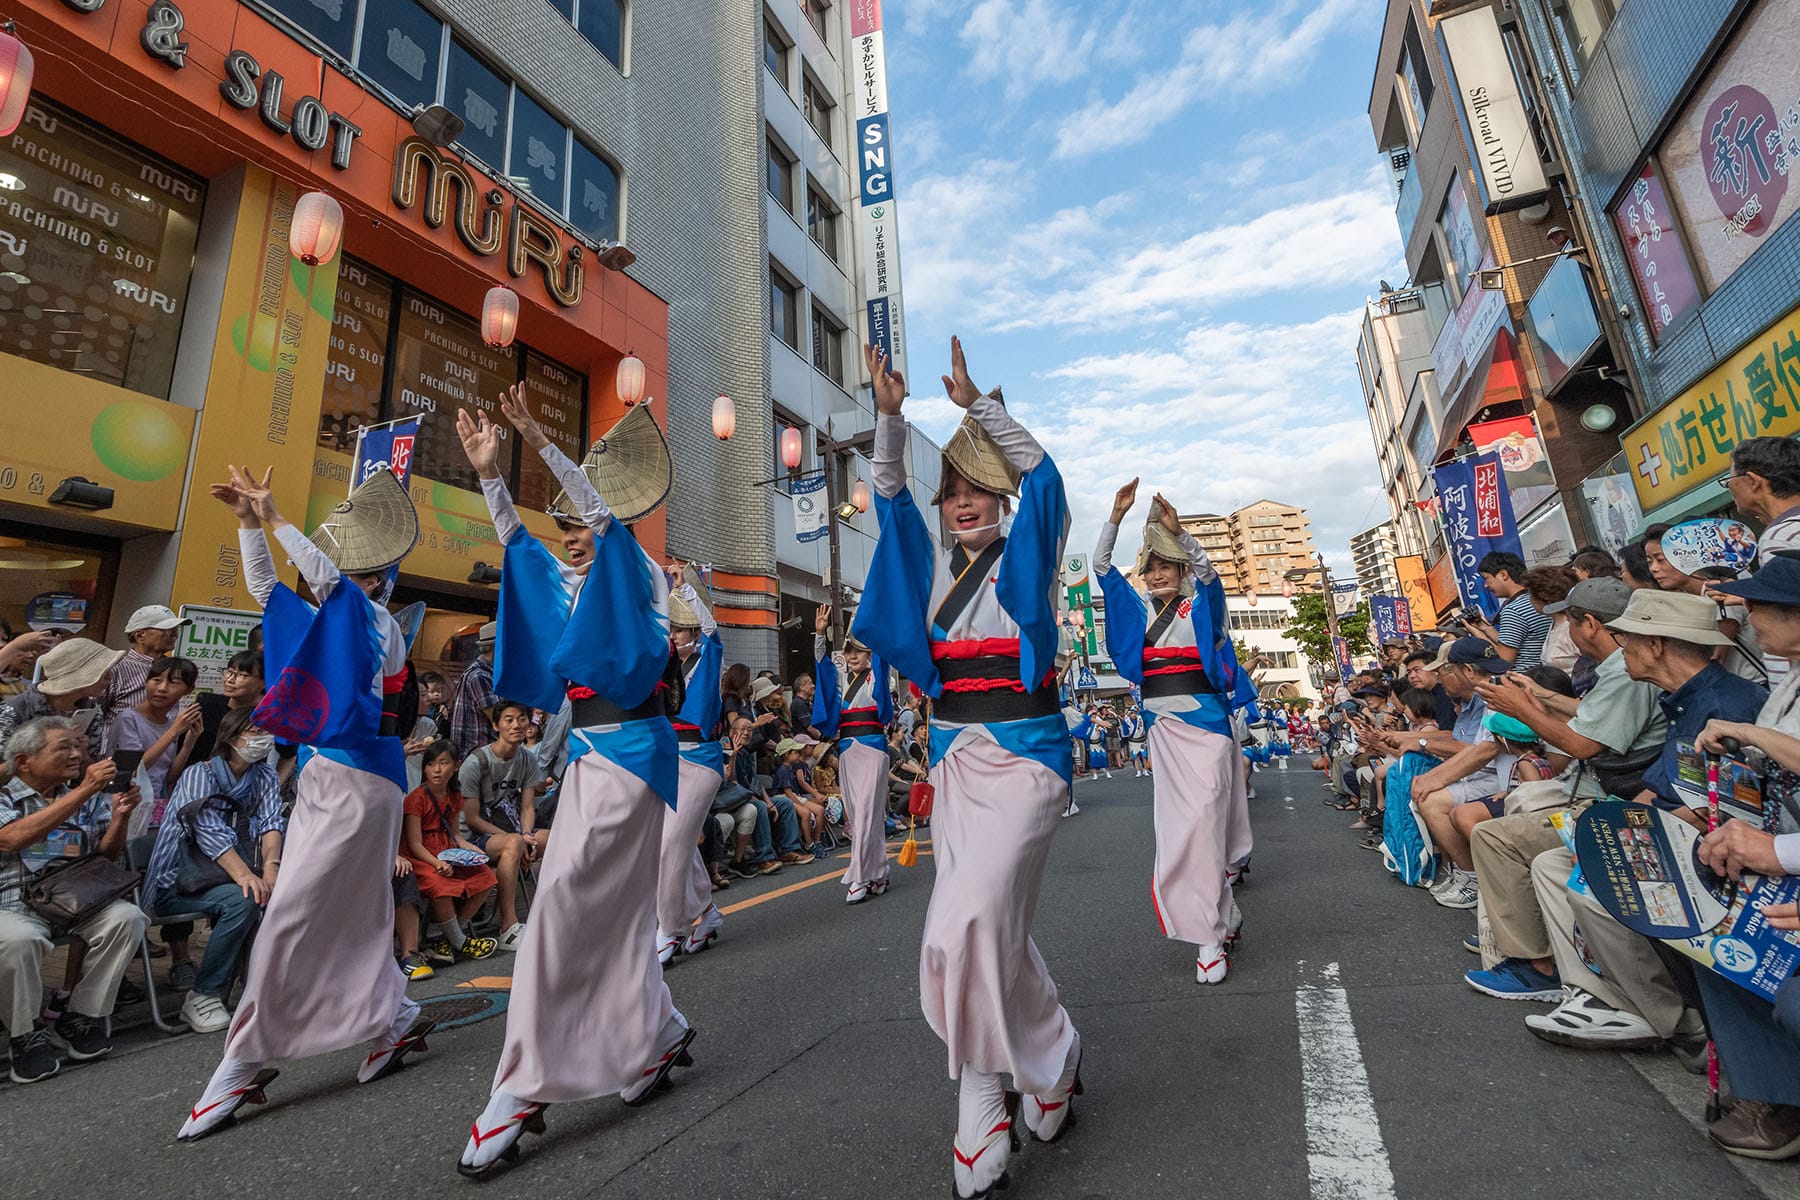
257	747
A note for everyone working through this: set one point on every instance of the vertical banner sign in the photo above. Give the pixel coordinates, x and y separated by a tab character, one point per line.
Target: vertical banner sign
878	220
1344	597
1079	586
386	448
1495	125
1477	519
1381	614
1416	589
1341	649
810	517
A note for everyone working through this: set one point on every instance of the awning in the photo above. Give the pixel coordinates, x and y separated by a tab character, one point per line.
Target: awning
1497	378
1707	500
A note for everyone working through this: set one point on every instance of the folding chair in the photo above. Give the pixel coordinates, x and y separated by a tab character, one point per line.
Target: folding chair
137	852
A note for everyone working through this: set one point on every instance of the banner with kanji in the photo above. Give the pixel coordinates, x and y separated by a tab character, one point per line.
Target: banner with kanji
1392	621
1478	519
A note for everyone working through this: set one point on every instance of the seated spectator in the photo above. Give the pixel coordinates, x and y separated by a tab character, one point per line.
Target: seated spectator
406	922
150	632
1739	652
162	726
1518	632
1666	641
1591	562
433	705
741	805
809	806
218	851
240	686
1634	568
801	706
1468	772
433	824
72	676
499	783
1548	586
45	758
770	717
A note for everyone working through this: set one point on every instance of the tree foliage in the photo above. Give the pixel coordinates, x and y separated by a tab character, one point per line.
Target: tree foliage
1311	630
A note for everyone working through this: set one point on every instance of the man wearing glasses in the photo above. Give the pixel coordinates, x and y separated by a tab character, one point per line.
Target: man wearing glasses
1765	485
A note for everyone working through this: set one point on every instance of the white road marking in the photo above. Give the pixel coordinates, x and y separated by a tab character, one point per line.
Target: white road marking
1345	1156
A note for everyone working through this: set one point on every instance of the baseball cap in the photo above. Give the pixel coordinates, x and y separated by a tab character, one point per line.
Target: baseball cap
1777	581
154	616
786	745
1471	652
1603	597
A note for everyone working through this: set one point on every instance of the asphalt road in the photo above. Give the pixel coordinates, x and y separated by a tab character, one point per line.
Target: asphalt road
1343	1058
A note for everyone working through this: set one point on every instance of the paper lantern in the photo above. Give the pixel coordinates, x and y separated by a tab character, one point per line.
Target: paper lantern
724	418
859	495
499	316
16	69
317	229
630	380
790	448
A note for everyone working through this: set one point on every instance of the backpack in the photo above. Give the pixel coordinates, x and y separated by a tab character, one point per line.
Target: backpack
1406	847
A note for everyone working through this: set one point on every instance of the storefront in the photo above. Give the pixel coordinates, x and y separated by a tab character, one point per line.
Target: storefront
154	326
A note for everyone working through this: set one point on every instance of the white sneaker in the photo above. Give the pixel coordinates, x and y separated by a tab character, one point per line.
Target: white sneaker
1463	892
703	934
205	1014
514	933
1443	882
666	947
1109	774
858	893
1211	965
1072	809
984	1133
1582	1021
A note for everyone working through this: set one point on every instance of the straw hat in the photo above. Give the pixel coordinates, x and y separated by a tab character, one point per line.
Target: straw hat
74	665
972	453
1674	615
681	613
629	467
375	527
1160	543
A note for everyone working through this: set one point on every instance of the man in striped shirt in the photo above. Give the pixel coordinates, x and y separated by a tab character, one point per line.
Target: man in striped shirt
151	634
1519	631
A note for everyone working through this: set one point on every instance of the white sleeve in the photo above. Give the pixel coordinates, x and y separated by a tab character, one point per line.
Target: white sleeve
1021	449
1103	549
320	573
1787	852
259	565
707	622
1198	558
588	505
890	455
500	507
821	648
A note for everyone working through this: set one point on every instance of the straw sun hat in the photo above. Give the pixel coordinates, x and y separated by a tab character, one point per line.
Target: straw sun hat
375	527
1160	543
629	467
681	613
972	453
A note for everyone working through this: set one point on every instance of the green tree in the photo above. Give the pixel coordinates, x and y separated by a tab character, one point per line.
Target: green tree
1313	633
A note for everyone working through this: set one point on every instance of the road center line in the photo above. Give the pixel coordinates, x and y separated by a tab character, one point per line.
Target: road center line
1345	1156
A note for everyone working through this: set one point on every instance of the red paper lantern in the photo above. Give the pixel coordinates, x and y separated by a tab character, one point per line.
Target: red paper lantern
790	448
16	70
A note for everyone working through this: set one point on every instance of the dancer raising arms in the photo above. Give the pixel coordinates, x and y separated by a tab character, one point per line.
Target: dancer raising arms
1179	654
322	974
975	627
686	918
590	1014
855	706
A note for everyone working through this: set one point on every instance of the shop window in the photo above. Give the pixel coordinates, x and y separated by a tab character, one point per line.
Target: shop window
331	22
827	346
540	149
780	175
357	362
96	248
483	100
822	221
594	195
817	109
54	580
440	365
775	52
557	397
402	45
1581	22
602	22
784	308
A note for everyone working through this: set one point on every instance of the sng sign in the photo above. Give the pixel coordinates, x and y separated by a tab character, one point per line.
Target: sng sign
872	163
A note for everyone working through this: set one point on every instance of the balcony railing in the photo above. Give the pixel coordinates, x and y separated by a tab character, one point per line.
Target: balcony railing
1412	194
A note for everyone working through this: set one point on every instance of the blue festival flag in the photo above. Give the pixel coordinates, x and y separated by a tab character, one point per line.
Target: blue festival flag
321	665
1478	519
1391	619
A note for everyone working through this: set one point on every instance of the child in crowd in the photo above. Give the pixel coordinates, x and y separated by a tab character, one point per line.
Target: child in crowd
499	784
809	807
162	727
407	922
454	893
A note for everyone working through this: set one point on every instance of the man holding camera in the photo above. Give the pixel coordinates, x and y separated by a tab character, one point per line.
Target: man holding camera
1519	631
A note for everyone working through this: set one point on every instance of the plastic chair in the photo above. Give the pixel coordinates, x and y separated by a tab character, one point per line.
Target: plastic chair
137	853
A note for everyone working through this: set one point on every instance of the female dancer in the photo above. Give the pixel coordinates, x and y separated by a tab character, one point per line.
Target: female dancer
590	1013
855	706
686	918
1181	658
322	974
975	628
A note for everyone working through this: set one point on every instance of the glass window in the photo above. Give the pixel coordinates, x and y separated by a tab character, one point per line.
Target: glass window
781	176
775	53
401	46
539	149
479	97
1582	22
594	195
815	11
358	354
784	309
602	22
818	109
556	396
96	247
440	365
828	346
54	581
332	22
822	221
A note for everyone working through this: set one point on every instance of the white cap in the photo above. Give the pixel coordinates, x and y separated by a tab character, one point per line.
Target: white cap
155	616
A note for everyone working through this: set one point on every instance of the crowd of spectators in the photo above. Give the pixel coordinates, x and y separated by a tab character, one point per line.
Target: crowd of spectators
1590	682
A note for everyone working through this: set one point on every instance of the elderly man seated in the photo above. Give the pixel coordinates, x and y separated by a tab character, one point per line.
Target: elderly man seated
1666	640
41	817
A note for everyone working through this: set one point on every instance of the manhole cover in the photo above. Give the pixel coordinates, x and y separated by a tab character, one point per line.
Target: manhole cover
455	1009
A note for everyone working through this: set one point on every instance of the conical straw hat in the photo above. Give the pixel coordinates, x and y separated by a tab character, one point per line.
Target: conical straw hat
681	613
629	467
977	457
376	526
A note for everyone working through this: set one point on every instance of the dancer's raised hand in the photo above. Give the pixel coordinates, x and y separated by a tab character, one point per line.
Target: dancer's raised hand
957	384
480	441
1167	516
1122	502
890	386
512	407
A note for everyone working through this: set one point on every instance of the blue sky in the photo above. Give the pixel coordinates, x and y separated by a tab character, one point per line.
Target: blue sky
1155	224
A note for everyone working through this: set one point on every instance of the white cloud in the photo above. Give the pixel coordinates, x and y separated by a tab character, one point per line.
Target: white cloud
1026	44
1248	53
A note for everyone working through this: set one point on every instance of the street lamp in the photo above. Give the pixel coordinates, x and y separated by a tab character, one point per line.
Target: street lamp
316	229
830	450
859	495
